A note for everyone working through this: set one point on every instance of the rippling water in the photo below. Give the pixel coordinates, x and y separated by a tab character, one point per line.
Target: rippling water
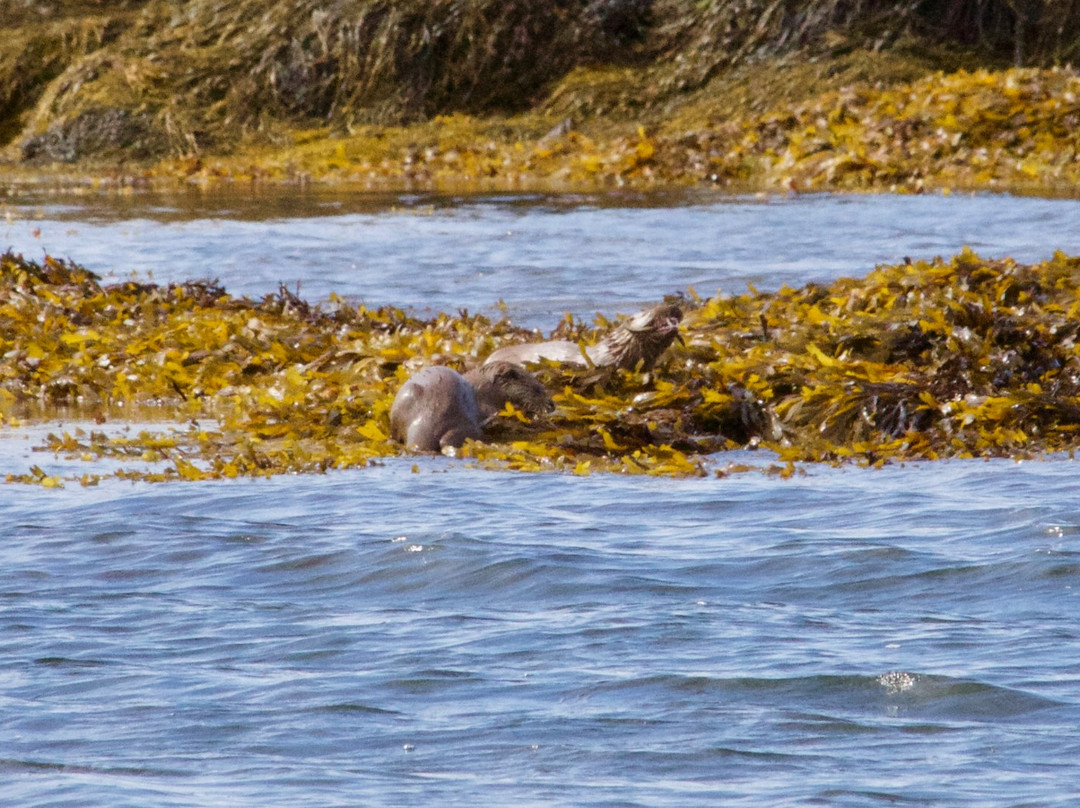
440	635
542	256
384	637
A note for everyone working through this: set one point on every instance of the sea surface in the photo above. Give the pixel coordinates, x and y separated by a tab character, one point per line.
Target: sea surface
424	633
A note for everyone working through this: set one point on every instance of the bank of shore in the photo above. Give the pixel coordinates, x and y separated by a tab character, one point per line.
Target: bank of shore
439	94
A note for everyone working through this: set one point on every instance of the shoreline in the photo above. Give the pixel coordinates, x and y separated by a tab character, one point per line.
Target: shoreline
1004	131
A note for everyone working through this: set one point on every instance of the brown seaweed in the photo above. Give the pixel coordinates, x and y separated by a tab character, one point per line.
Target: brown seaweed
965	357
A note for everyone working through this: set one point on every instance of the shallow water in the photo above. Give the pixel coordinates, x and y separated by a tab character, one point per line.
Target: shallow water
542	256
448	636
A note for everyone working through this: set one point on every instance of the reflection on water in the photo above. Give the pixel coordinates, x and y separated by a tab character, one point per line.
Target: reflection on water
420	632
542	255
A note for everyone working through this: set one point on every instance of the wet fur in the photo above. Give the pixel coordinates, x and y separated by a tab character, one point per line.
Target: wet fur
434	409
640	340
635	344
438	407
496	383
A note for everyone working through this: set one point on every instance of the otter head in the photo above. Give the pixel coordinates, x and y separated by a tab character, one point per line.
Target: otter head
641	339
499	382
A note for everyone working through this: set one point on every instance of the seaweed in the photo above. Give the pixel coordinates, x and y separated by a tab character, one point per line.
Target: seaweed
965	357
1015	129
91	82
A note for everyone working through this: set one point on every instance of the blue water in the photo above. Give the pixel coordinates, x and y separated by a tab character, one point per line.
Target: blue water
541	256
381	637
449	636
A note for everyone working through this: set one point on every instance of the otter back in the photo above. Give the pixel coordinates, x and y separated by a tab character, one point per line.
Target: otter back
434	409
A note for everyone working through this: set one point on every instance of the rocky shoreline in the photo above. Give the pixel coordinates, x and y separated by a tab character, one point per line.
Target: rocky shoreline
435	94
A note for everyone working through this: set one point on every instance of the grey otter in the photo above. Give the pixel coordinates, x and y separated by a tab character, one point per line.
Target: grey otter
641	338
438	407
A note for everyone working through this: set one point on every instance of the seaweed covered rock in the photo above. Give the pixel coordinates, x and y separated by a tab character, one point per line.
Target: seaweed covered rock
965	357
1012	129
203	74
81	79
39	40
979	129
95	133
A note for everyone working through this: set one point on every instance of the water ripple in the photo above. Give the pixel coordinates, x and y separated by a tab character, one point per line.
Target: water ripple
456	637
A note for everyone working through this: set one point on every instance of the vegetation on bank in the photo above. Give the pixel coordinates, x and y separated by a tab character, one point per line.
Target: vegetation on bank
1017	129
948	358
885	94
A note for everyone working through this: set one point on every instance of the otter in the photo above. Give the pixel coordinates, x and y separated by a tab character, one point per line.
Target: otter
496	383
434	409
636	343
439	408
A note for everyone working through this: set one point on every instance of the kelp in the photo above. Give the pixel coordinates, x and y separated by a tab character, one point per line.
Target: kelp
202	75
32	57
977	129
1017	129
206	72
965	357
134	81
373	94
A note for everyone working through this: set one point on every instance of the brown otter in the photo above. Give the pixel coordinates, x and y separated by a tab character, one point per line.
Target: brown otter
496	383
438	407
635	343
434	409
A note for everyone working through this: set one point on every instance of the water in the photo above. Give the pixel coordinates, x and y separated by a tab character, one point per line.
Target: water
449	636
542	256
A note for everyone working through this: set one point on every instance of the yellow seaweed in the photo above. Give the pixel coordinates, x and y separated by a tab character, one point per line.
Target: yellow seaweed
965	357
